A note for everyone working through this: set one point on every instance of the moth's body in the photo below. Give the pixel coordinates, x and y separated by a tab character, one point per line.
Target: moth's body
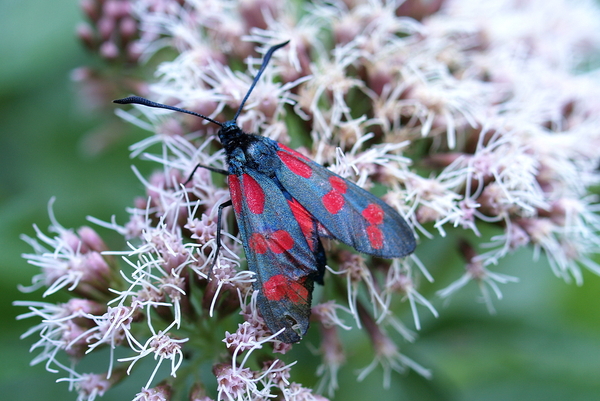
284	204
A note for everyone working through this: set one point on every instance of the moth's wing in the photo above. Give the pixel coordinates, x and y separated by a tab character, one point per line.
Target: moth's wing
351	214
277	251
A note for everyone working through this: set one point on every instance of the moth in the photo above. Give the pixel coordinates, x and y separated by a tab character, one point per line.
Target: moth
284	203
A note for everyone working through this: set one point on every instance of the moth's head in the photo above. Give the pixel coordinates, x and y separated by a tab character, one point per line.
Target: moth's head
228	131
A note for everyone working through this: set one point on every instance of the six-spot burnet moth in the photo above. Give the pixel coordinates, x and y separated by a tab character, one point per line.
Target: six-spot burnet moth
284	204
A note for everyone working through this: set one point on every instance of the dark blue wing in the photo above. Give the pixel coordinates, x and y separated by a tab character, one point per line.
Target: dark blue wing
351	214
277	249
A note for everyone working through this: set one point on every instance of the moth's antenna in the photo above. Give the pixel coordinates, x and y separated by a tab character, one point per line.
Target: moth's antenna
150	103
258	74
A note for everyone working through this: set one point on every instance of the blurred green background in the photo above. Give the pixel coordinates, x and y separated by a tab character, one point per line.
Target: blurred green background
544	342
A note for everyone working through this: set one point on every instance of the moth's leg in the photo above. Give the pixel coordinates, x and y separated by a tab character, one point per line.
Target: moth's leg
219	212
218	236
213	169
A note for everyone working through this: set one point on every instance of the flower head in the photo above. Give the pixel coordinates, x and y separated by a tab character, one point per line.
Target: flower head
462	115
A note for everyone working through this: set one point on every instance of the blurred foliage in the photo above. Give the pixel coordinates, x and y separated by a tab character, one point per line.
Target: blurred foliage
543	343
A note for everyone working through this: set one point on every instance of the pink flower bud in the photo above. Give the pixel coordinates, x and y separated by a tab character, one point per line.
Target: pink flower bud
128	28
109	50
91	239
419	9
106	27
91	9
253	12
86	34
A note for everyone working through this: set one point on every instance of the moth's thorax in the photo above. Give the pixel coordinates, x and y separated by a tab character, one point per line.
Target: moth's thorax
248	151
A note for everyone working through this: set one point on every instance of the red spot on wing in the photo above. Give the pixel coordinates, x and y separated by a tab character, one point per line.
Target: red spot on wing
280	241
333	201
375	237
255	196
258	243
305	221
373	213
296	165
338	184
235	192
293	152
279	287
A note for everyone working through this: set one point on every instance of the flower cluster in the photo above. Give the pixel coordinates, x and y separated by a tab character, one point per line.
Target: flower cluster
470	115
